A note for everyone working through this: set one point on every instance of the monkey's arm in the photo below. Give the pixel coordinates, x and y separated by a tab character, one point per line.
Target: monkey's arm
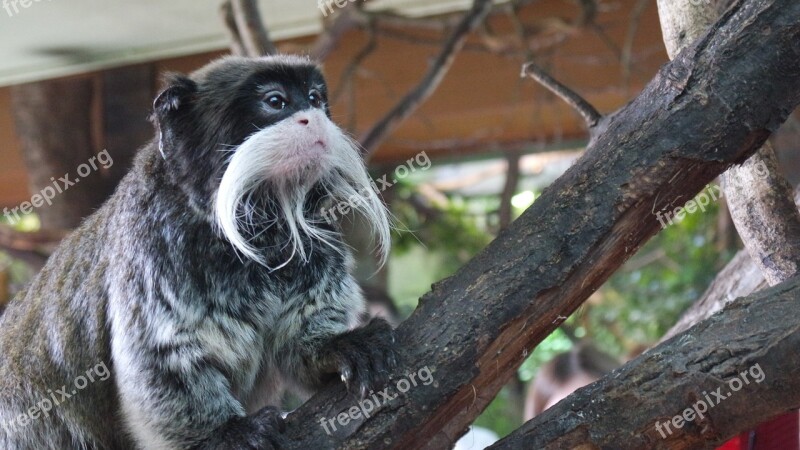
314	345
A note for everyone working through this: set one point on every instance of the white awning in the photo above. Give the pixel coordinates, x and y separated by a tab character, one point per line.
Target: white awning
42	39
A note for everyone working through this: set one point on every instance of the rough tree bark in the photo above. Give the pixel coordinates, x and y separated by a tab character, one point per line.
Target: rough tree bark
758	195
711	107
768	220
765	215
761	329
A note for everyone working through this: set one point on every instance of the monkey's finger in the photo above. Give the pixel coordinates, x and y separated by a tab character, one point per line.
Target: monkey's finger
271	418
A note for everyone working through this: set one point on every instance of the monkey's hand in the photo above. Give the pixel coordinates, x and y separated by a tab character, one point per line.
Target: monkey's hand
260	431
363	357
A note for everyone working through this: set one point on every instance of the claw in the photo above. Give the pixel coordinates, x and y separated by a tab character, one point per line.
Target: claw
347	375
364	357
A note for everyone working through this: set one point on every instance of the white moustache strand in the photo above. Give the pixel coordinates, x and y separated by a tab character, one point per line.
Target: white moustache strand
287	157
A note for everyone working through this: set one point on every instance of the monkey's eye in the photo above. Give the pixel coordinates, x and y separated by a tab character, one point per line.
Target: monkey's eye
315	99
275	100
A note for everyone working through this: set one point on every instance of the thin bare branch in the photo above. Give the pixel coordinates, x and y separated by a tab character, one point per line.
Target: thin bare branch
584	108
254	35
346	80
347	19
633	26
510	188
226	11
472	18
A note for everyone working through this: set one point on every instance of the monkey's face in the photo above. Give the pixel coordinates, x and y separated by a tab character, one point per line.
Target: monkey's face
252	142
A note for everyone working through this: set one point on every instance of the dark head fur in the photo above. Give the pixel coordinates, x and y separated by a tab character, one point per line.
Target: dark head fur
236	138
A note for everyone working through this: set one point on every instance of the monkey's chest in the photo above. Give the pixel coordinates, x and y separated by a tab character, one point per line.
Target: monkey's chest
235	339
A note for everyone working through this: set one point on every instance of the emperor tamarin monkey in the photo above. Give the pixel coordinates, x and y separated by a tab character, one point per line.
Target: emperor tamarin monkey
207	282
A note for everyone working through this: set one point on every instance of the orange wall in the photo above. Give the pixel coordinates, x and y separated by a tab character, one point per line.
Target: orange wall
13	181
482	101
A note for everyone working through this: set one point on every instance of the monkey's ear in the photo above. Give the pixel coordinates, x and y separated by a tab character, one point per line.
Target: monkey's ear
175	97
178	92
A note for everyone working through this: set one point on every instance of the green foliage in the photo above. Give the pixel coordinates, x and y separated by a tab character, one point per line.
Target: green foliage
631	311
500	416
647	296
19	273
457	231
557	342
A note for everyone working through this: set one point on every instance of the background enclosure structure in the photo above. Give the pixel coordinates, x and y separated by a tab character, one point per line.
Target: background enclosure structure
659	150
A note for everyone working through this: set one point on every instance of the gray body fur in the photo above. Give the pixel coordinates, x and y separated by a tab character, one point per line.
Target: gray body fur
196	340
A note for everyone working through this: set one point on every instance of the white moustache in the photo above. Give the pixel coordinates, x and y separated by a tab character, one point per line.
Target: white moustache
292	156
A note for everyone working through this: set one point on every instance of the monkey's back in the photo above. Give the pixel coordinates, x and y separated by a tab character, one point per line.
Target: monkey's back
47	334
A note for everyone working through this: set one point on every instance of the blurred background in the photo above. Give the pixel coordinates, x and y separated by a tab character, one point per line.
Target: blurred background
77	77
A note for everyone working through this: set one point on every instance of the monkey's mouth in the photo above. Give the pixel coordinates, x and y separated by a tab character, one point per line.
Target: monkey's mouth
305	161
319	145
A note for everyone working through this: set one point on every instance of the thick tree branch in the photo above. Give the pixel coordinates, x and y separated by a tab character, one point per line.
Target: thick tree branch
765	215
760	330
439	68
711	107
759	197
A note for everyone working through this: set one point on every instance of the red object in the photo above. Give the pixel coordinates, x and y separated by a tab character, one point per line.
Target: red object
780	433
735	443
